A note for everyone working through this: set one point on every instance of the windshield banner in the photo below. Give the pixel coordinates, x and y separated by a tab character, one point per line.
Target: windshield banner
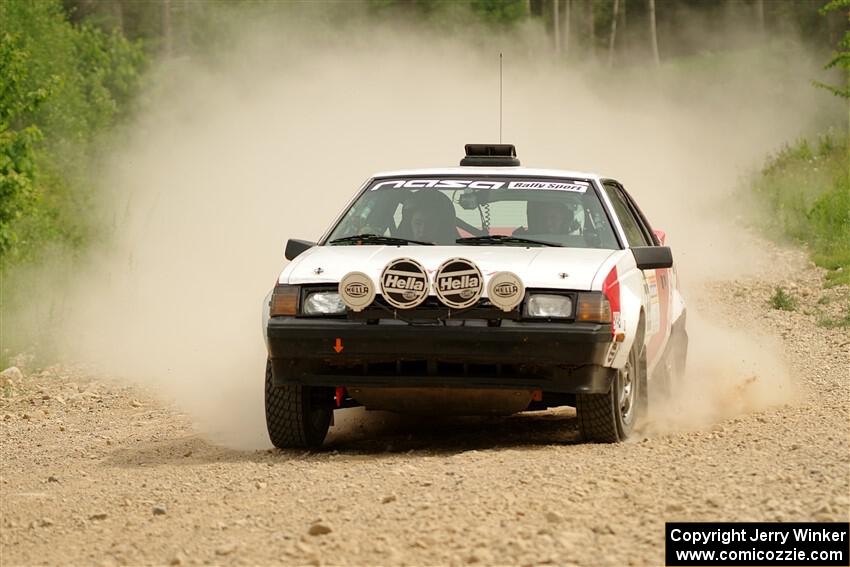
572	186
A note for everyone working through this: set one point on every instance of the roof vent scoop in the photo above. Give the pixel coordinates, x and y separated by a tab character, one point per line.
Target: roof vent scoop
490	155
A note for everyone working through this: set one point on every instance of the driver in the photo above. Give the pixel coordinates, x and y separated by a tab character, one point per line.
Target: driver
545	217
428	216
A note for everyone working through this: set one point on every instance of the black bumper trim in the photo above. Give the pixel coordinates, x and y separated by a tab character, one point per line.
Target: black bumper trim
552	357
590	379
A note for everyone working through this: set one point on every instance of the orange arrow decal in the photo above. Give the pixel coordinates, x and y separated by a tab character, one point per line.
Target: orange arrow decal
338	346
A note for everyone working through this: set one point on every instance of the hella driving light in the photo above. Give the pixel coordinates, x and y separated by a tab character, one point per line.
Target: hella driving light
549	305
323	303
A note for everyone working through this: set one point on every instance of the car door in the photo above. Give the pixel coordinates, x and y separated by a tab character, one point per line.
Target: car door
657	285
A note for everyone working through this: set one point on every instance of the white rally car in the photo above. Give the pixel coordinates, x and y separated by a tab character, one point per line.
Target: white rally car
487	288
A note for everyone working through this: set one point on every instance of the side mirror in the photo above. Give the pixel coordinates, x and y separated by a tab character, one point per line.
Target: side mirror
653	257
295	248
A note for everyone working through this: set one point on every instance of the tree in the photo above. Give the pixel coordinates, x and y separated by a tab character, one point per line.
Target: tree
165	14
841	58
624	34
760	16
592	30
17	152
653	33
612	39
556	16
62	86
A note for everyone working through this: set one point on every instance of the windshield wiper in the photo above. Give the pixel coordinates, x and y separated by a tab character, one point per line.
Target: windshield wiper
502	239
377	239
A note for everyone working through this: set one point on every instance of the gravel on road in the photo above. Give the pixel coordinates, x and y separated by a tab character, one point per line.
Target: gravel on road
96	472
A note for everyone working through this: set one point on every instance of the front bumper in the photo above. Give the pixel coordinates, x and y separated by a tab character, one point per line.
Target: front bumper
553	357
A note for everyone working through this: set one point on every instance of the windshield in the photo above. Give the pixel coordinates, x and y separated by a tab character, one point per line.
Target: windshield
445	210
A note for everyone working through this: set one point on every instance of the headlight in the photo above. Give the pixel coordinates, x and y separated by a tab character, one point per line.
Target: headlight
323	303
549	305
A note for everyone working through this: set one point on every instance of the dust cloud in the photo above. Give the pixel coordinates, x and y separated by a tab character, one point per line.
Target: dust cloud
730	372
233	155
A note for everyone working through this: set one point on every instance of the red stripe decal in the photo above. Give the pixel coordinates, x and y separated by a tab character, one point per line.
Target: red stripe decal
611	289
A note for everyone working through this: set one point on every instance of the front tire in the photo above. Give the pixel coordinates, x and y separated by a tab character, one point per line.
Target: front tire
611	417
297	417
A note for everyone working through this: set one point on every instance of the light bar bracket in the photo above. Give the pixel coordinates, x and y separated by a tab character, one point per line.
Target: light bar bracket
490	155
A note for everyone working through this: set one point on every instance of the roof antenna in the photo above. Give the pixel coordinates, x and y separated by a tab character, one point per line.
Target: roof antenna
500	97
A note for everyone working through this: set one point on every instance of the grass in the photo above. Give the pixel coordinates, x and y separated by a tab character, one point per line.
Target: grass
782	300
830	323
805	189
840	322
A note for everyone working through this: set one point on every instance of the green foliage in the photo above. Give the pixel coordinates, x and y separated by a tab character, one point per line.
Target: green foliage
17	174
17	136
841	57
499	11
842	322
807	195
494	12
782	300
62	87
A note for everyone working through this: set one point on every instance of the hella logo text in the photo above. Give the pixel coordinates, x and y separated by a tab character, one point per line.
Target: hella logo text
449	283
506	289
357	289
408	283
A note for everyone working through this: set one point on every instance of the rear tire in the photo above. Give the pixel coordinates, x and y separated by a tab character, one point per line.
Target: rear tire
611	417
297	417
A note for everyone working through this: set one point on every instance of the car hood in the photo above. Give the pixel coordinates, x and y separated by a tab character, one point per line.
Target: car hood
558	268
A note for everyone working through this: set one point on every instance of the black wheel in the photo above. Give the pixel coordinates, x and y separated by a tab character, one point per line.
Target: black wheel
611	417
297	417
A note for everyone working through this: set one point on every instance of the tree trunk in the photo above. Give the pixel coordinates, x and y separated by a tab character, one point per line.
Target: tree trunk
760	16
624	33
165	27
612	39
556	16
118	16
592	32
567	19
653	34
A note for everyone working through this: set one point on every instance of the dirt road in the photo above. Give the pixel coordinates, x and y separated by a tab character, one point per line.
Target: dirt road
95	472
